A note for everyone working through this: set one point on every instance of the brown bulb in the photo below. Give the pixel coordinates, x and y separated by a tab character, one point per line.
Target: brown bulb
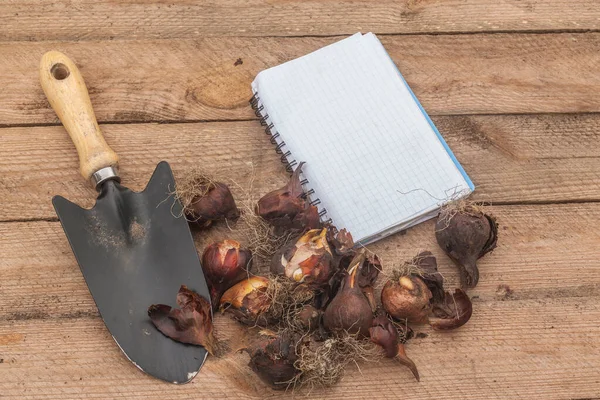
272	358
367	276
308	260
215	202
287	209
247	300
407	298
466	235
224	264
349	311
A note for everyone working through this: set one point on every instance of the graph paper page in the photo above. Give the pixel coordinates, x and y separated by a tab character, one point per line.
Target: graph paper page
373	157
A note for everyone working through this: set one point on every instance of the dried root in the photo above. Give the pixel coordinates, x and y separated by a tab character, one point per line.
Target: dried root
287	299
463	206
408	268
191	184
273	358
323	364
204	200
255	232
268	302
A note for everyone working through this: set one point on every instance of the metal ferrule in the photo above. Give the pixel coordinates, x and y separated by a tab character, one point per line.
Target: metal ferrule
103	175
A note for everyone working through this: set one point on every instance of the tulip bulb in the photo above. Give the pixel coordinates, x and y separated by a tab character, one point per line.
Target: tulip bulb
224	264
367	276
407	298
308	260
212	202
466	234
287	209
247	300
308	318
349	311
272	358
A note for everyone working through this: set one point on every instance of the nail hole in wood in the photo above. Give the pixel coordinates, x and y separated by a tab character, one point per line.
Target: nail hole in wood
59	71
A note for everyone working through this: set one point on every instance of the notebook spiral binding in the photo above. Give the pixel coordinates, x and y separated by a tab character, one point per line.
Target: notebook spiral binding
284	154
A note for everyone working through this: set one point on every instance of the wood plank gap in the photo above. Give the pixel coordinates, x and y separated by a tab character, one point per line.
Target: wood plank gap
437	33
451	75
538	202
207	121
500	31
333	36
133	122
584	291
484	203
20	220
42	315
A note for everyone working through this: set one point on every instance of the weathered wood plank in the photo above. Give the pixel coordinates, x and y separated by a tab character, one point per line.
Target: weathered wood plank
40	277
179	80
533	343
538	342
510	158
511	349
107	20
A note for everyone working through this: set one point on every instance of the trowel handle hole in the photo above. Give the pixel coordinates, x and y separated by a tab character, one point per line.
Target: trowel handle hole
59	71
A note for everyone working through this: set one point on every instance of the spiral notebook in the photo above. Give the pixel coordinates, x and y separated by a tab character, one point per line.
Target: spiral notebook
375	162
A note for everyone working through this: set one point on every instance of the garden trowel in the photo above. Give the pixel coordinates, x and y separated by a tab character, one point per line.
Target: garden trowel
132	248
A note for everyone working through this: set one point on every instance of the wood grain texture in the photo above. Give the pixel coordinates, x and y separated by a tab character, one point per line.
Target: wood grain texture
179	80
538	342
530	158
107	19
193	60
539	349
41	280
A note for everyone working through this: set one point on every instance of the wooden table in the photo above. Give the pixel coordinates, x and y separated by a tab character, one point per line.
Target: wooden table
513	85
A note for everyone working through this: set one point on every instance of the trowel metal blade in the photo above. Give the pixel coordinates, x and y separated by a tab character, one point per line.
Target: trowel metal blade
135	250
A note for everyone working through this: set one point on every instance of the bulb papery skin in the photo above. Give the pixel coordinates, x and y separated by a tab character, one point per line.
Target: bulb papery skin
247	300
308	260
224	264
216	203
349	311
407	298
465	236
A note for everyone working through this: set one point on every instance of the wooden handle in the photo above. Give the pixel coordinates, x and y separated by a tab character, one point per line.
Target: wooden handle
68	96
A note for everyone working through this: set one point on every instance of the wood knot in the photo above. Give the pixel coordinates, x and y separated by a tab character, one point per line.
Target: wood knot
224	87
